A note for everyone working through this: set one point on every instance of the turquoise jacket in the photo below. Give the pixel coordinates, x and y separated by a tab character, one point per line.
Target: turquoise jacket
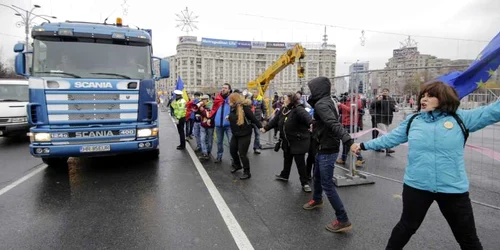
435	152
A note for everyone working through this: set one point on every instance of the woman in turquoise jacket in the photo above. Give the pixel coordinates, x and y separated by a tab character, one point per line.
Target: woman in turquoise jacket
435	170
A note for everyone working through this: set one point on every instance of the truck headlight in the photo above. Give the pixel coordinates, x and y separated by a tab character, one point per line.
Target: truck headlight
147	132
41	137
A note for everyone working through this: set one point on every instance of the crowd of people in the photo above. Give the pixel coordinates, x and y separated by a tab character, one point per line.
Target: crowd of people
317	127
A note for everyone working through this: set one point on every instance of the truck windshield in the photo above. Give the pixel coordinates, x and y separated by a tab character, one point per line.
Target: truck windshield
13	93
89	58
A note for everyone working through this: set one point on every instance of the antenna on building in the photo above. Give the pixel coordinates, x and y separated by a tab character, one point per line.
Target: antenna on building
325	40
408	43
186	21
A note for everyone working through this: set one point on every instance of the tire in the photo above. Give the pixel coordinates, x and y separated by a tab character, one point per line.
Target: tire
56	162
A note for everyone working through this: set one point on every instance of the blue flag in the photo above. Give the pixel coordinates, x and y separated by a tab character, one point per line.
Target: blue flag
478	72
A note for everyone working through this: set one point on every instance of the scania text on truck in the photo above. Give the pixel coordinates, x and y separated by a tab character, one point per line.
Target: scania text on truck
91	90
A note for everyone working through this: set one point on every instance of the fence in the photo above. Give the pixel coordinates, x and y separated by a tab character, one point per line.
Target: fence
482	152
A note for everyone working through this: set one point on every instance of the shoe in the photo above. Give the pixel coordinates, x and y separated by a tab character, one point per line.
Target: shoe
198	149
256	151
245	176
312	204
380	150
390	151
307	188
203	157
337	226
340	161
180	148
235	168
359	163
218	160
280	178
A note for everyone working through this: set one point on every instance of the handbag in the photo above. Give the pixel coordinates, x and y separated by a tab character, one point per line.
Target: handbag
277	146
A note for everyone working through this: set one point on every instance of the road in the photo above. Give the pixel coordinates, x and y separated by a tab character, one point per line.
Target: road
129	203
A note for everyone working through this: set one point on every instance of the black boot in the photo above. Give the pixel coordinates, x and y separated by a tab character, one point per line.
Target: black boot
246	175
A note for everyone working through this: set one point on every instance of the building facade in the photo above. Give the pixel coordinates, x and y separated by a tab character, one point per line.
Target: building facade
205	65
408	66
358	79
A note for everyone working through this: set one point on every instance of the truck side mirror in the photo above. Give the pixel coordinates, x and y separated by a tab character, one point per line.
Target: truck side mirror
20	64
164	69
19	47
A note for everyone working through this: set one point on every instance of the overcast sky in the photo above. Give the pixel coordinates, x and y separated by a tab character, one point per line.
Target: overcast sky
464	19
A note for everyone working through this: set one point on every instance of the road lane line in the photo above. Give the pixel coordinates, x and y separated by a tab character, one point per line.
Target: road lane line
23	179
232	224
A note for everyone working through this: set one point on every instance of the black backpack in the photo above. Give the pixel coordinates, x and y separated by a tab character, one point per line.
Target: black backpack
465	131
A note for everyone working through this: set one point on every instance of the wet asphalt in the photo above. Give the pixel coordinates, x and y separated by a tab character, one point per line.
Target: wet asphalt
128	202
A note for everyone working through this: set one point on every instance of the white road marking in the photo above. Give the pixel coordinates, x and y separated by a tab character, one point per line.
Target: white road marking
232	224
23	179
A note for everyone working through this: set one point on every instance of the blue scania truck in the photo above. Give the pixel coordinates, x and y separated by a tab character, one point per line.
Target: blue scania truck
91	90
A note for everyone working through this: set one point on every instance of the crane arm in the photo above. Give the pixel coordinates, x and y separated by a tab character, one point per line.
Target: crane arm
263	80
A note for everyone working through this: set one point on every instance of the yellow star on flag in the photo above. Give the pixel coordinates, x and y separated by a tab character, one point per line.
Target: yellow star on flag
480	83
491	72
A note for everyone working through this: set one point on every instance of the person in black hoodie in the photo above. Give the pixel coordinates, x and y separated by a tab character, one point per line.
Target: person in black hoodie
328	132
293	122
241	120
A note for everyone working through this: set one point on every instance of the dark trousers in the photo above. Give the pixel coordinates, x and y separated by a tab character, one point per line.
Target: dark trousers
374	125
311	157
456	208
189	127
300	161
238	147
180	129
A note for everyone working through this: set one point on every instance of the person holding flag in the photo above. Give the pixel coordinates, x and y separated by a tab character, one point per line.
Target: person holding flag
436	138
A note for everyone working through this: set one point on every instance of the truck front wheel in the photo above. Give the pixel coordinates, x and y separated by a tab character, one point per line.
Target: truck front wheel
56	162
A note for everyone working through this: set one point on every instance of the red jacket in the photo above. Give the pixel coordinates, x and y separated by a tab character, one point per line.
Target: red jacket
346	114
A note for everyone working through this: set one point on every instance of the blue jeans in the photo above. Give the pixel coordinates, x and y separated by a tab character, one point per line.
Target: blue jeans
323	174
256	133
207	139
220	139
345	150
196	132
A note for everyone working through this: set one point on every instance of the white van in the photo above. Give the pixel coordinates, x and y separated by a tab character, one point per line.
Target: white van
14	96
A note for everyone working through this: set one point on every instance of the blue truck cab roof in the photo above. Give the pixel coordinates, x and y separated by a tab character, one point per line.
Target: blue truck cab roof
91	30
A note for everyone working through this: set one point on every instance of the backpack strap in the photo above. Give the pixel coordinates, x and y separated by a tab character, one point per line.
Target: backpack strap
465	130
409	123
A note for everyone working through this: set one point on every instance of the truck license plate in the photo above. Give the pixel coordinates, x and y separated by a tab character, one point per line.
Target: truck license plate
96	148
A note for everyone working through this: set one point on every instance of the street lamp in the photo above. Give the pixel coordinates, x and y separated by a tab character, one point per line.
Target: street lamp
27	18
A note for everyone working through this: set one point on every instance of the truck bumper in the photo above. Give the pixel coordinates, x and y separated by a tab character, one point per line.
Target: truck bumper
75	150
14	129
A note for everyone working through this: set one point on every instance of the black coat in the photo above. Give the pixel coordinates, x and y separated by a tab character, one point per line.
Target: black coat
383	110
246	128
327	129
293	123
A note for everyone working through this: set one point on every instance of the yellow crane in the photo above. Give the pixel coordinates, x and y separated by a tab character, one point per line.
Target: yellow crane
263	80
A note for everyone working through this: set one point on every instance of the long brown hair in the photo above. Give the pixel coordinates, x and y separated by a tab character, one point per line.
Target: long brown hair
236	100
447	96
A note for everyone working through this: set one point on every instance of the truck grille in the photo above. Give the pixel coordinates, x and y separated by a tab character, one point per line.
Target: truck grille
73	107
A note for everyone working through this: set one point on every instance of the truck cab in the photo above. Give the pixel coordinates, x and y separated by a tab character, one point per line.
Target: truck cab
13	101
91	90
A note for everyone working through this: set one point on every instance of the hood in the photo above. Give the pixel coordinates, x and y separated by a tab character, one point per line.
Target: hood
320	87
13	109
